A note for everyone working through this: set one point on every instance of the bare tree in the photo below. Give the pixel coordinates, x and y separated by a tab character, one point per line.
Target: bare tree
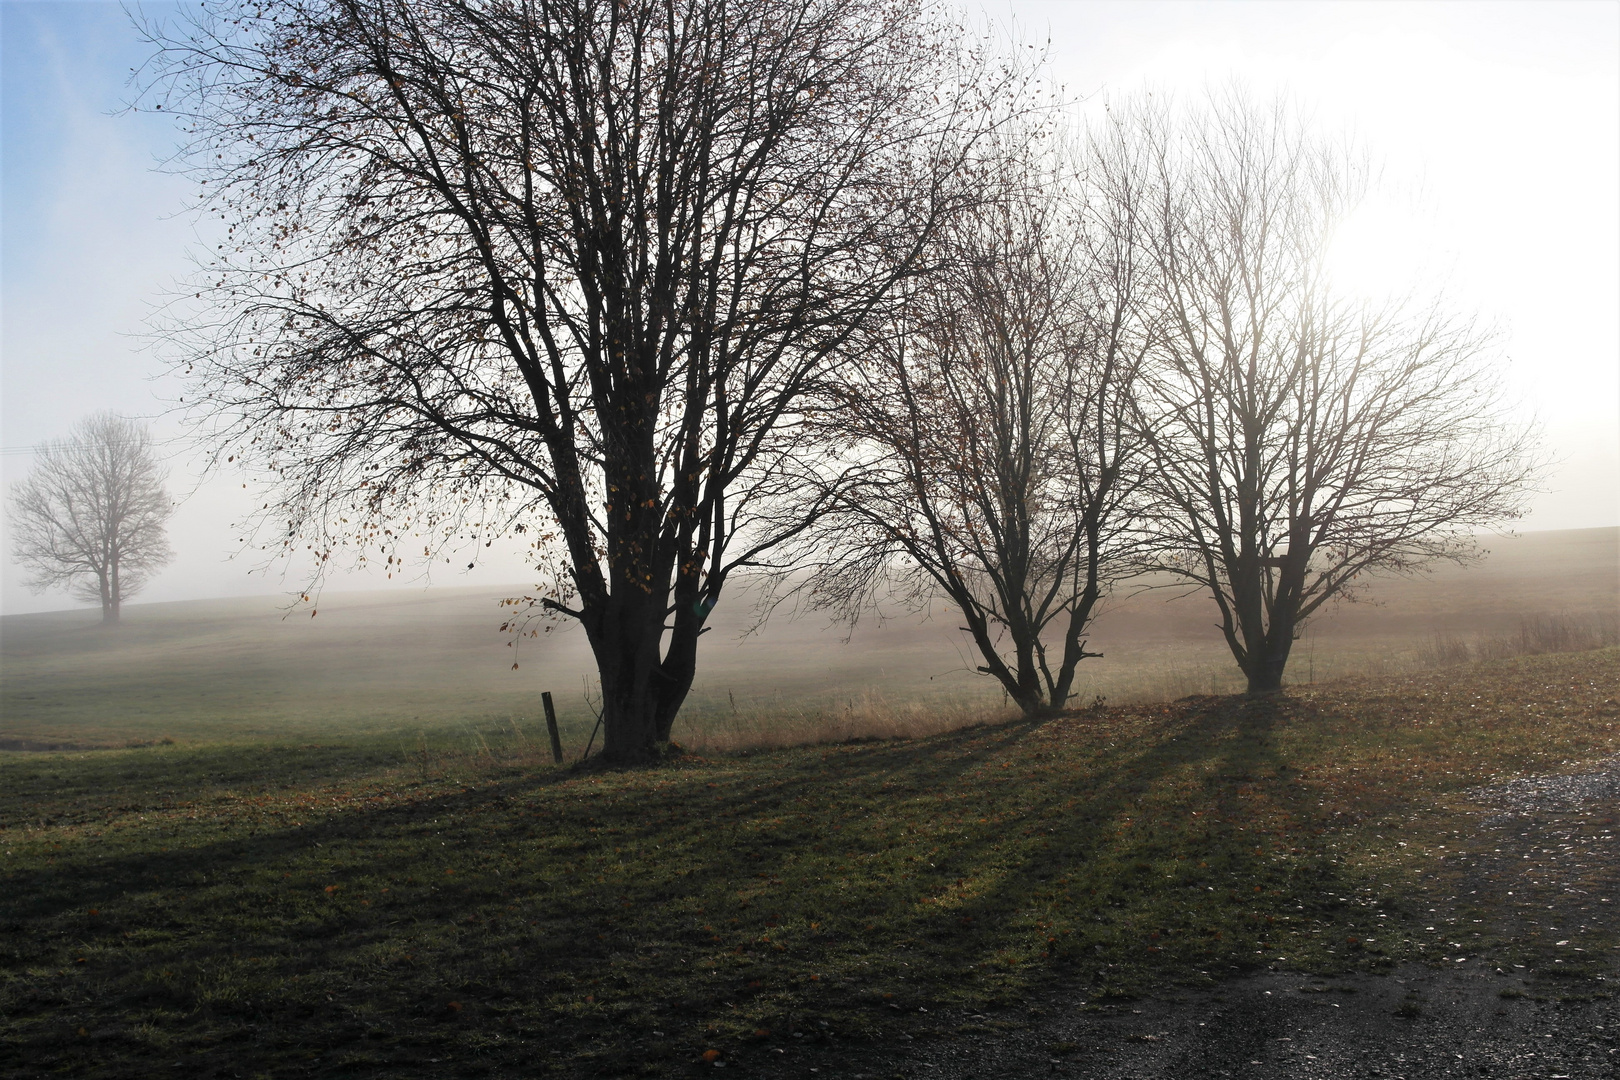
90	516
1302	438
983	449
556	267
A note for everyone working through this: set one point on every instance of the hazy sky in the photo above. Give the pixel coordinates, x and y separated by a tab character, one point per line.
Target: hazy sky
1498	125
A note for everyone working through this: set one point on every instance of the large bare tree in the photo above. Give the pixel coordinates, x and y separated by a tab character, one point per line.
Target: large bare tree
557	267
1302	437
983	450
90	516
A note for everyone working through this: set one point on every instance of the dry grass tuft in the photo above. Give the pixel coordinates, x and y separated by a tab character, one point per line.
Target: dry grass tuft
1538	635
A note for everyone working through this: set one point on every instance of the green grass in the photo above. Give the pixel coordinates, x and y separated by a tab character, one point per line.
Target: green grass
433	661
430	662
386	907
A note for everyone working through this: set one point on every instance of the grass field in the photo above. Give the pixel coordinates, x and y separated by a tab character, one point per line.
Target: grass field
335	846
340	910
432	665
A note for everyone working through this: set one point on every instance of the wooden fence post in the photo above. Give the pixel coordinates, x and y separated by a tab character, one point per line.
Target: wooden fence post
551	726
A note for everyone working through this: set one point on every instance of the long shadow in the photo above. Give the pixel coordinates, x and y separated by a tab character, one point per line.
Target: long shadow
529	932
1226	740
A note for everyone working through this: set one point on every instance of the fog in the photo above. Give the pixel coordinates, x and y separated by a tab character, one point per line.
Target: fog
1496	125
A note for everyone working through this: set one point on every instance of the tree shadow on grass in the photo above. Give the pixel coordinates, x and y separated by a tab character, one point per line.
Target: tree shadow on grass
706	900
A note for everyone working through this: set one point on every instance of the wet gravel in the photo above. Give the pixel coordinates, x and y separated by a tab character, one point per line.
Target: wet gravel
1543	862
1535	877
1532	795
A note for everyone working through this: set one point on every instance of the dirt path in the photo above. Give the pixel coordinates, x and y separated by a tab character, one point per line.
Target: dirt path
1526	911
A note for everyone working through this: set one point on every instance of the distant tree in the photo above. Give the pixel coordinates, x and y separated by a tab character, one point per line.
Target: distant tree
983	449
1301	437
90	516
557	267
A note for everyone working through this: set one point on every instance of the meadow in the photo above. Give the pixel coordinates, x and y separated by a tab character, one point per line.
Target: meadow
432	665
332	910
239	844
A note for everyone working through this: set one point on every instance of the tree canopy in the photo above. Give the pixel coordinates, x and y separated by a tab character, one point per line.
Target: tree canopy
90	516
561	269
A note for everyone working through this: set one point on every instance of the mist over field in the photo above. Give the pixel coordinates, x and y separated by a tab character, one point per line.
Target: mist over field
435	661
1180	365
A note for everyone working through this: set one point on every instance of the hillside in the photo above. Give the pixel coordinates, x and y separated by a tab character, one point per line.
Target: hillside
435	659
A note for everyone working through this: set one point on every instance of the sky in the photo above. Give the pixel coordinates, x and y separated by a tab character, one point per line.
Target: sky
1497	127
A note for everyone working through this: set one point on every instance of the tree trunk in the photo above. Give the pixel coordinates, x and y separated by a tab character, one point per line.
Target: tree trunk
675	676
639	704
628	734
625	641
1267	662
1029	695
109	599
1022	684
643	687
1265	675
1074	648
629	710
1031	705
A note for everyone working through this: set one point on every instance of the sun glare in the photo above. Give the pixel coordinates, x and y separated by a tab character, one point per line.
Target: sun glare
1383	249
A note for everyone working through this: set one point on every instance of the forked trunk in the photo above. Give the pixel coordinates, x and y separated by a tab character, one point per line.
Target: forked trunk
1259	626
675	676
1021	682
1074	645
1029	693
643	687
1028	683
1267	661
1030	704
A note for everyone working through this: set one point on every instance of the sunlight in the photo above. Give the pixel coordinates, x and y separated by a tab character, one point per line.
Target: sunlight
1383	249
